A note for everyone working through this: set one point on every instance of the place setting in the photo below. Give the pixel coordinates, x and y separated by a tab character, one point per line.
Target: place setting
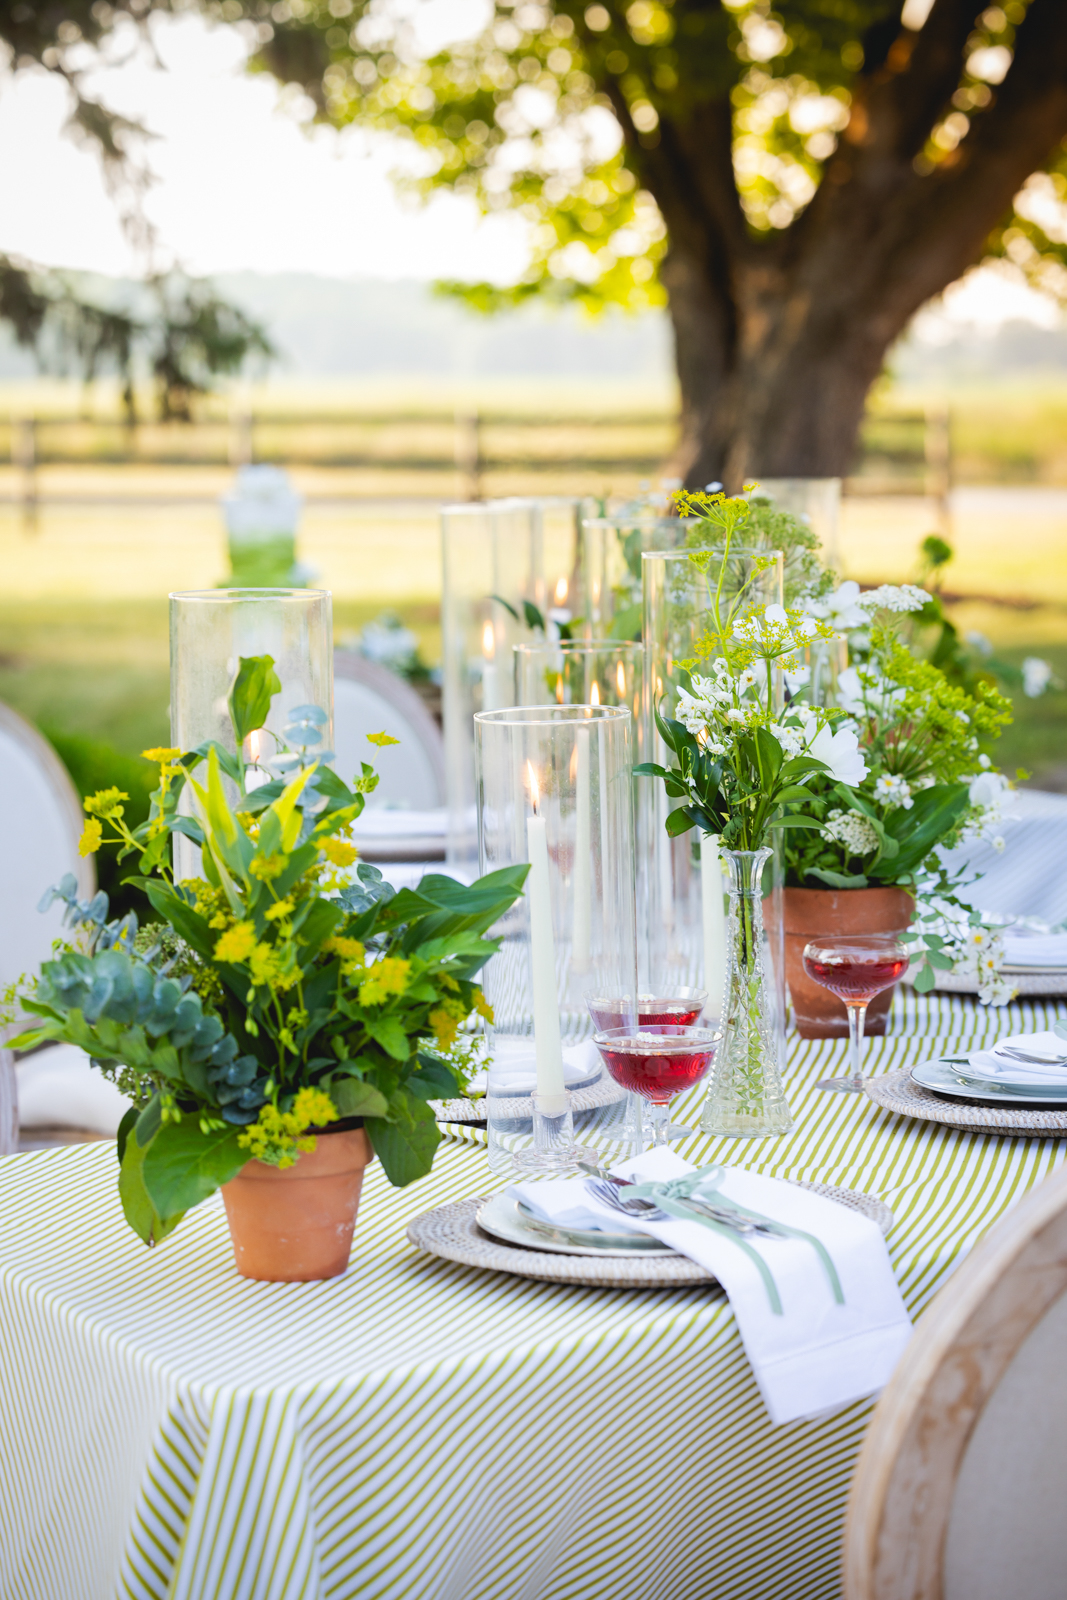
1018	1085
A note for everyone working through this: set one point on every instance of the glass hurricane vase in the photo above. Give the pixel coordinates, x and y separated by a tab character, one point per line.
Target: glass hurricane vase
746	1099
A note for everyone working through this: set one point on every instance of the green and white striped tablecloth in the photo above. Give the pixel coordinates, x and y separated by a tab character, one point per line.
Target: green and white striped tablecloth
422	1431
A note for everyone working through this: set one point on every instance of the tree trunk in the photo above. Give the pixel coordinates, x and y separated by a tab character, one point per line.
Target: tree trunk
784	398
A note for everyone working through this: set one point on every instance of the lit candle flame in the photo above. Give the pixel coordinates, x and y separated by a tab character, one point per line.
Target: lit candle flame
488	642
561	592
620	680
254	746
559	689
535	793
594	697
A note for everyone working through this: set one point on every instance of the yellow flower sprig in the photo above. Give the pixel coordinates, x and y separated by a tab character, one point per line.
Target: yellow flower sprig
279	1137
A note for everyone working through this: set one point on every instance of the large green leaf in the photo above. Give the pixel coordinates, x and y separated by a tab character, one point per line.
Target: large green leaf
678	822
389	1033
405	1151
353	1098
434	1080
138	1207
254	687
182	1165
179	913
837	880
933	815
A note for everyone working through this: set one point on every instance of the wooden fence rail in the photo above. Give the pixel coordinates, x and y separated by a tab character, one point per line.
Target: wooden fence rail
903	453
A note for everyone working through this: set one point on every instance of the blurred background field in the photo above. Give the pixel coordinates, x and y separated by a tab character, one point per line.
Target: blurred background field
90	554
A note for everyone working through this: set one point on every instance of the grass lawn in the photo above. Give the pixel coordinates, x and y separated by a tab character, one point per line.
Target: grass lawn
83	617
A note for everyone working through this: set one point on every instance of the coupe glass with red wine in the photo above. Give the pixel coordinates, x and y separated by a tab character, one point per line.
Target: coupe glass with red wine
657	1062
855	967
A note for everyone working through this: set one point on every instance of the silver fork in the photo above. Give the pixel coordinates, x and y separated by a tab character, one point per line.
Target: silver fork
1036	1061
638	1207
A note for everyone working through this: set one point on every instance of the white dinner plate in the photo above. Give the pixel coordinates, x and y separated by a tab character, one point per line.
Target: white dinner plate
943	1077
506	1219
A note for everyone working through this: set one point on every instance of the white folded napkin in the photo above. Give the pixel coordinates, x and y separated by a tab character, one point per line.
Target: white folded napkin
818	1355
514	1067
1000	1068
1035	949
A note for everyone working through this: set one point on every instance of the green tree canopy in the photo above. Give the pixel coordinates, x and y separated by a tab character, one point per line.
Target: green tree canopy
795	180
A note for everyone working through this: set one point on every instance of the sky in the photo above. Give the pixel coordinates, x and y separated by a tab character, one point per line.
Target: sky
244	182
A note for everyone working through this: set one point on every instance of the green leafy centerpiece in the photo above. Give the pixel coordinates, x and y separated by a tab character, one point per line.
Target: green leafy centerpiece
280	995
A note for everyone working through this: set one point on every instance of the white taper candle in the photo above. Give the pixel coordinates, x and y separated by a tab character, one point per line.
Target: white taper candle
582	879
548	1045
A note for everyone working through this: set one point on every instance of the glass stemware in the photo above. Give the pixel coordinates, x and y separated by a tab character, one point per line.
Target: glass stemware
855	967
677	1006
657	1062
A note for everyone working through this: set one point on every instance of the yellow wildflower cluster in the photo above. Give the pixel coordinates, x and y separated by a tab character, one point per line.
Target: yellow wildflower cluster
482	1006
107	803
92	836
339	852
210	902
266	868
165	757
444	1021
279	910
386	977
276	1136
237	943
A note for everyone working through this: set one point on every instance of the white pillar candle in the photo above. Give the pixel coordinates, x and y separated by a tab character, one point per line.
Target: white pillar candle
583	863
714	919
548	1045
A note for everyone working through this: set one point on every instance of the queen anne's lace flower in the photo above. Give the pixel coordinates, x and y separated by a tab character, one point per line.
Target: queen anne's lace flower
894	597
855	831
894	791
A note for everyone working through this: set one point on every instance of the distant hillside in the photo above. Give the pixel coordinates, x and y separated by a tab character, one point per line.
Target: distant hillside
328	327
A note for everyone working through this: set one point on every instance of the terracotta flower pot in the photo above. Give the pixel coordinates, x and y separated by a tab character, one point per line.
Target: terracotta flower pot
294	1224
818	913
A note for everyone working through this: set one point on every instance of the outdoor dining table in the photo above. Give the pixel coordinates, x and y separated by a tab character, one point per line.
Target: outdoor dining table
425	1430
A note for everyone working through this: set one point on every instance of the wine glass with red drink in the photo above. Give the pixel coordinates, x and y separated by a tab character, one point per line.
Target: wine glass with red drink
657	1061
855	967
677	1006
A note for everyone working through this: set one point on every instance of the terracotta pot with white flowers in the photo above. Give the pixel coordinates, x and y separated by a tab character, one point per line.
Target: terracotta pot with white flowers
874	865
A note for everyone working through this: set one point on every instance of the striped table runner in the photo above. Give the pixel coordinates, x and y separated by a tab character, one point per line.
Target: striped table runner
423	1431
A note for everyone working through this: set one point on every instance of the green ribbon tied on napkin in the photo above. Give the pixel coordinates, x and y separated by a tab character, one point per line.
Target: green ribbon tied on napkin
697	1196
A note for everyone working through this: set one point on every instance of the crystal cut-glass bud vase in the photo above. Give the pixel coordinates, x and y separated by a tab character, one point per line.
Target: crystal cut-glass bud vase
746	1098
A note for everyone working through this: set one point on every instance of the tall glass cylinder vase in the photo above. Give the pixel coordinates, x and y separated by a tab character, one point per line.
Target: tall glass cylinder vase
680	885
491	563
554	791
610	601
816	501
210	631
580	673
746	1099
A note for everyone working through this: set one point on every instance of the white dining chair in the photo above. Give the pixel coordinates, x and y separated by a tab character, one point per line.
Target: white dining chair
368	698
959	1489
40	824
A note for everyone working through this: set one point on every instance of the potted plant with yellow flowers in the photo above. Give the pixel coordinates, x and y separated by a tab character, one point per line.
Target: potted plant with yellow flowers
287	1018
